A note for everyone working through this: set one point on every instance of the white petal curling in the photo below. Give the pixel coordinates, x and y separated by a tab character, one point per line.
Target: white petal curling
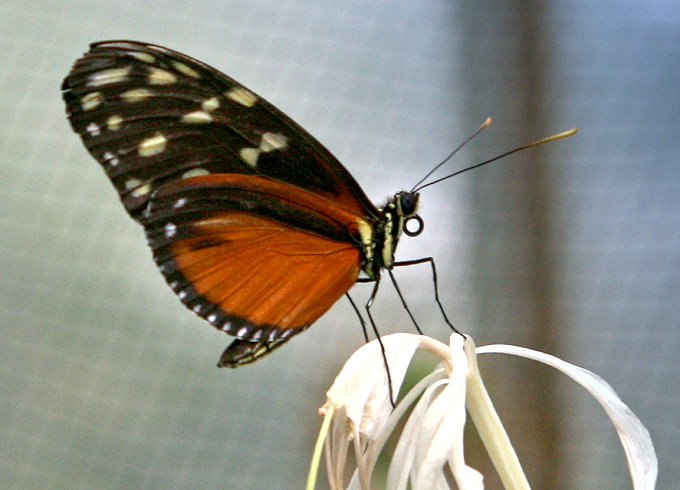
433	435
361	397
636	441
438	423
406	452
361	387
398	413
490	428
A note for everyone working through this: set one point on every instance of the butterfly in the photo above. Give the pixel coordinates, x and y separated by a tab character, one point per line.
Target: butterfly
254	224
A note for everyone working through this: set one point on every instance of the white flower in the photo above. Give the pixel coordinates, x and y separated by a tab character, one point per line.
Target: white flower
358	412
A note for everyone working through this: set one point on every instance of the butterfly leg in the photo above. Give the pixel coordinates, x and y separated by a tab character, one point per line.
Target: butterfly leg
429	260
368	305
403	301
361	318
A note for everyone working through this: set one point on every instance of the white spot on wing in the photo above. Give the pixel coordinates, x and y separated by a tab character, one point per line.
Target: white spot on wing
153	145
158	76
187	70
273	141
269	142
170	230
110	158
114	122
142	190
181	202
250	155
132	183
242	95
212	317
196	117
210	104
93	129
91	100
135	95
112	75
138	189
143	57
194	172
242	331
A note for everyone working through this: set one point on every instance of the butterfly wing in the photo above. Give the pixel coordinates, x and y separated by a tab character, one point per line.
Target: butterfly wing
256	258
172	134
151	116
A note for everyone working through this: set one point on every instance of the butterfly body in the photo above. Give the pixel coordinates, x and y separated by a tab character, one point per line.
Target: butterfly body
254	224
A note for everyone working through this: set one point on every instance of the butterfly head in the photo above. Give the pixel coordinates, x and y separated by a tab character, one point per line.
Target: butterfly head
398	216
406	207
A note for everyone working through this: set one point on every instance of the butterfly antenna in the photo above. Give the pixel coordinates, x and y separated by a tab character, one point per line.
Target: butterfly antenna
484	125
554	137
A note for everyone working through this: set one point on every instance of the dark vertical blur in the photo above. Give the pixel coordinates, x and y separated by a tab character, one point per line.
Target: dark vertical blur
508	55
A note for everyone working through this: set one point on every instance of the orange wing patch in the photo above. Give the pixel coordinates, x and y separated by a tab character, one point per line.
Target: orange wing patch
261	273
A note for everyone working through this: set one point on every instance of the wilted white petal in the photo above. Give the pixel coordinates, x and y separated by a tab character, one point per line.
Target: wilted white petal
440	435
404	457
432	437
637	443
361	397
433	434
490	428
453	424
354	482
361	387
395	417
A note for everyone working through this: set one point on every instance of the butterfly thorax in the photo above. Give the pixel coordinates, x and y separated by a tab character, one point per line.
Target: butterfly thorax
381	240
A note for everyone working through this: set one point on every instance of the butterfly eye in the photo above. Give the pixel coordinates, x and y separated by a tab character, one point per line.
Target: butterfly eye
420	225
408	202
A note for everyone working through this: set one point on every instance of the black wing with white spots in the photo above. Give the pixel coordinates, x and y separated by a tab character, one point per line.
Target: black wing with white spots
152	116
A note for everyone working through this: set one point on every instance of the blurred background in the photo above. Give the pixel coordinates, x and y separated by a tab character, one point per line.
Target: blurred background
572	248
